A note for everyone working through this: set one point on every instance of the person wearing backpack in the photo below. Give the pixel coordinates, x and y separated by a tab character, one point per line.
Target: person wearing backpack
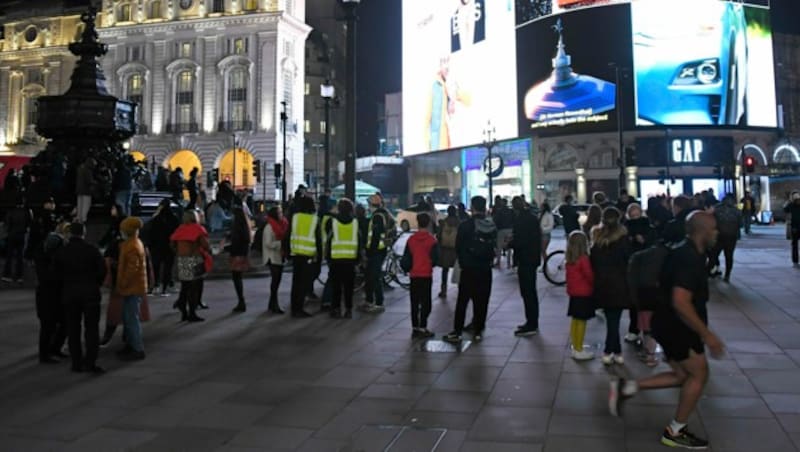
644	281
419	258
680	325
526	241
448	230
476	247
728	219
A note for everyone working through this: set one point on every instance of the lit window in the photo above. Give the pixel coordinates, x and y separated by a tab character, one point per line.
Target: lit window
322	126
125	13
250	5
307	126
31	110
333	129
308	89
239	46
155	9
135	93
237	98
186	50
184	98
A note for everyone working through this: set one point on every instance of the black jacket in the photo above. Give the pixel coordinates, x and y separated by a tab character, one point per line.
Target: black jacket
675	229
378	225
793	209
640	226
159	230
503	218
18	221
610	265
81	271
467	233
569	217
527	239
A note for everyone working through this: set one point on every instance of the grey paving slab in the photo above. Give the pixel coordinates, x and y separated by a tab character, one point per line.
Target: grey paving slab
261	382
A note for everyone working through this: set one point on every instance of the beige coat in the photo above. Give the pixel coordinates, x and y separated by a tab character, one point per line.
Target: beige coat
270	248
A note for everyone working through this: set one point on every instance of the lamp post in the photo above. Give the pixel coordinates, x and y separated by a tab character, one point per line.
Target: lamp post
351	154
623	158
235	148
284	118
328	93
489	141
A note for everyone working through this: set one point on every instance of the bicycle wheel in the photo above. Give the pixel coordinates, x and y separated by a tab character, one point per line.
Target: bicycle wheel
398	275
555	268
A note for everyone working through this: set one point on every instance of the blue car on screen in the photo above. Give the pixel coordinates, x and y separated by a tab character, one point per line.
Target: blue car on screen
690	60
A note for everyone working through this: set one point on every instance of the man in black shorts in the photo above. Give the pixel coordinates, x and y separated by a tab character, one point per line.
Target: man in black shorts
680	326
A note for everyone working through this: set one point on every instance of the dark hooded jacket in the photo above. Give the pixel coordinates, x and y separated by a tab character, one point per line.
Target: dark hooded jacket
478	228
609	257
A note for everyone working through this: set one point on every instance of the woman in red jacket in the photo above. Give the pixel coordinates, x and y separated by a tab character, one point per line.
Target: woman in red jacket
580	287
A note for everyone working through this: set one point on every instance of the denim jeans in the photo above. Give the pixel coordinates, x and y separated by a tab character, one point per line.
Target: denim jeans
123	198
130	320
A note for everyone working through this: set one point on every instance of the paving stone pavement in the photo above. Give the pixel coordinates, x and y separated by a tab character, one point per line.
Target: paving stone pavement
256	382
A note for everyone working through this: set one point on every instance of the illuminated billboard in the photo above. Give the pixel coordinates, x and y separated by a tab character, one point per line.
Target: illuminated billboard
459	73
712	66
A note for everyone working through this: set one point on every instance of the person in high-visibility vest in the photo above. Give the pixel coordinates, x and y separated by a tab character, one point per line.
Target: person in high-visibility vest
343	251
304	246
377	232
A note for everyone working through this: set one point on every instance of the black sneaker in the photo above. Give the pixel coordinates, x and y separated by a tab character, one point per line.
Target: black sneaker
426	333
453	338
525	331
683	439
470	328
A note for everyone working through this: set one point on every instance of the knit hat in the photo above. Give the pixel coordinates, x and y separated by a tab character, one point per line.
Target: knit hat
130	225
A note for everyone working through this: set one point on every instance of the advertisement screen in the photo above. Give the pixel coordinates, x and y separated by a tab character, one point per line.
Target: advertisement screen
703	62
459	73
567	76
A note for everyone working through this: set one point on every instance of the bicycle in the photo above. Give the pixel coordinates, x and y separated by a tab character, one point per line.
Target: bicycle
555	268
393	272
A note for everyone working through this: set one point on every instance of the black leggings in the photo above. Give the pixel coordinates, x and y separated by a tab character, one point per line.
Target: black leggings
343	276
276	272
191	294
238	284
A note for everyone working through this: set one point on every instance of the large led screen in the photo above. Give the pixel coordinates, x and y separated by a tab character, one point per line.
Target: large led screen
569	66
459	73
703	62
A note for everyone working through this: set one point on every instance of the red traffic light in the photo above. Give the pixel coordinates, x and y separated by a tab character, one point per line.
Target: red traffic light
750	164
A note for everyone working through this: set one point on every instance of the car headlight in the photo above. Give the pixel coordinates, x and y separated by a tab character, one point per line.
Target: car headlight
703	72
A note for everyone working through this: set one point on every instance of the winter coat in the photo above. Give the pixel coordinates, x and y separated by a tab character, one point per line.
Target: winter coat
84	180
675	229
424	250
18	221
526	239
81	270
609	257
131	269
569	216
793	209
640	226
580	278
547	222
728	220
160	229
271	248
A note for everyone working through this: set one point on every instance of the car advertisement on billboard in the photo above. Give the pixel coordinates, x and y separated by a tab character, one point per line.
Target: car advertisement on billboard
459	73
703	62
568	71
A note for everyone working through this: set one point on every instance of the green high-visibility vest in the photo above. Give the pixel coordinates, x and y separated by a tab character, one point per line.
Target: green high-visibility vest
381	239
344	243
303	241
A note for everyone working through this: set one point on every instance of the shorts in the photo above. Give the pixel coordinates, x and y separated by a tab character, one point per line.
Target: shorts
676	338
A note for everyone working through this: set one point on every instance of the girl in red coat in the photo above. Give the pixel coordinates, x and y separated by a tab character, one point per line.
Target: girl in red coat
580	286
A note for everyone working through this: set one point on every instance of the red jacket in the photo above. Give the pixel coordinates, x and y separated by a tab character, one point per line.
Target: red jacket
424	251
580	278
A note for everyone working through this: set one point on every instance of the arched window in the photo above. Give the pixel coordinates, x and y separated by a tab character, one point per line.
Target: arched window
125	13
237	98
155	10
184	102
134	92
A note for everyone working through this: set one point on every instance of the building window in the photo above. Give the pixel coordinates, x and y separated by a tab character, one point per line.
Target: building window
184	98
185	50
333	129
239	46
307	126
31	110
250	5
322	126
237	98
288	94
218	6
135	53
155	9
134	92
33	76
125	13
308	89
271	5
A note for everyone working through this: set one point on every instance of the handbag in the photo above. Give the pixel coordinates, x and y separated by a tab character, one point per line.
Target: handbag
455	273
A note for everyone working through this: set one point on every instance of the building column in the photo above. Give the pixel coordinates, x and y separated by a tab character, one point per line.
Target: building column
631	180
580	186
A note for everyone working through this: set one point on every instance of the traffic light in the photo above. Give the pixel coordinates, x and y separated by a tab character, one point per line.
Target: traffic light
214	175
750	164
257	170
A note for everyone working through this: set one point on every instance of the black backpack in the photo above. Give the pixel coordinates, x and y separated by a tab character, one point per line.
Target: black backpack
483	244
258	239
646	268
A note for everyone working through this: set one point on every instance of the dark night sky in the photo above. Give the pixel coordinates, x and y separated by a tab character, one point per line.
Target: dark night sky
380	46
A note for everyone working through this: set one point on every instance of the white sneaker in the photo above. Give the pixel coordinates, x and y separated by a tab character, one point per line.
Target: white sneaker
375	309
618	359
631	337
583	355
607	359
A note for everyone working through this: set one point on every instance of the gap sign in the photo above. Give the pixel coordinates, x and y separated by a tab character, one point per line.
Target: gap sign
683	151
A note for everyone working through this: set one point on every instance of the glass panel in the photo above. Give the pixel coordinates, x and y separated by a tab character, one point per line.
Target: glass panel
238	46
155	9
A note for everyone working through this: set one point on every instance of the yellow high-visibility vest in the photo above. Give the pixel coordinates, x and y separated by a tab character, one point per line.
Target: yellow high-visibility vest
344	243
303	241
381	239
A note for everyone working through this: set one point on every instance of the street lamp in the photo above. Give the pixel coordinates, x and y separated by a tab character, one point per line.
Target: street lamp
623	158
328	93
490	141
284	118
351	154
